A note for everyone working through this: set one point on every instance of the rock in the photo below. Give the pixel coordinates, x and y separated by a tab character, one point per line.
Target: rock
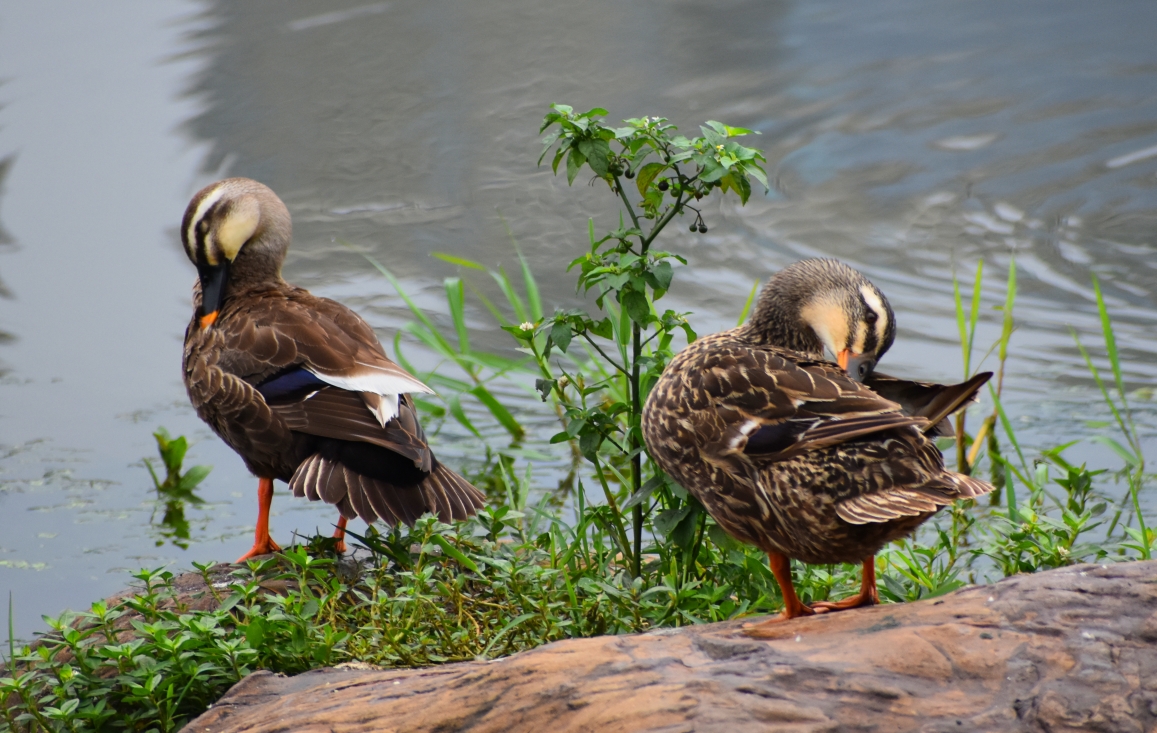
1065	650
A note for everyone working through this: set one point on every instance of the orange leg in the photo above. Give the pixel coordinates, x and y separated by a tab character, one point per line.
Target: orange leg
792	606
339	534
263	544
868	596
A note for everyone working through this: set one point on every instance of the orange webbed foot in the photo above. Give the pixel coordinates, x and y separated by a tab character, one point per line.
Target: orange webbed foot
266	547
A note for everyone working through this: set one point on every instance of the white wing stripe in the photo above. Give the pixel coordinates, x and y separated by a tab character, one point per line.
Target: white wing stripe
375	380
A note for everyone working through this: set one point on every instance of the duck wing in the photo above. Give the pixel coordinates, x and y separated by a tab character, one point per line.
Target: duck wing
278	332
766	405
320	369
935	402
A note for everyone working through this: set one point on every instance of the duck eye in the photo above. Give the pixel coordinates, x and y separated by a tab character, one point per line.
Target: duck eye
870	318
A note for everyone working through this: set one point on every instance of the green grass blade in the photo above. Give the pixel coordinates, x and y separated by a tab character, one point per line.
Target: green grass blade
1126	455
455	406
461	261
518	621
974	313
747	305
454	552
528	281
512	298
499	411
489	305
456	299
1110	340
1009	300
1096	373
532	295
1007	425
961	325
11	638
414	308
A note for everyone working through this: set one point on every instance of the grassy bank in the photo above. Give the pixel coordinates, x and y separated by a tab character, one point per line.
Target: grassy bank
618	547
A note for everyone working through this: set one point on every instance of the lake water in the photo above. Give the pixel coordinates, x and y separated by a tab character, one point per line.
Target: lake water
911	138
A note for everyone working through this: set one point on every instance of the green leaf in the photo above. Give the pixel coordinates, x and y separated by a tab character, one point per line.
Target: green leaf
668	519
663	274
597	151
603	328
589	443
636	306
684	532
713	171
255	632
545	386
754	170
560	334
644	491
574	162
723	540
646	174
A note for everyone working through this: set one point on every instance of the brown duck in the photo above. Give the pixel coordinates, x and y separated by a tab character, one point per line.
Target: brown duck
299	385
804	458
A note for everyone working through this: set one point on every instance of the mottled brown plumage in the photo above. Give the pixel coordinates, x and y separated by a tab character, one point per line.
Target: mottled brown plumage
299	385
790	453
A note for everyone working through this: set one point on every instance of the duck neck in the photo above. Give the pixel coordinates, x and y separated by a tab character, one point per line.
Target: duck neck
803	341
770	325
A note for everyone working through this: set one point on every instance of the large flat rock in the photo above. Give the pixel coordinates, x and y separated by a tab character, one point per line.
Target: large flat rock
1065	650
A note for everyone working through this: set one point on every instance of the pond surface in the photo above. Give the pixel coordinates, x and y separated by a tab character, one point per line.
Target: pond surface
911	138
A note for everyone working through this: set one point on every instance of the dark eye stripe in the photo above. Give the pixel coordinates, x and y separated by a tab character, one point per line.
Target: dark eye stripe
203	230
871	338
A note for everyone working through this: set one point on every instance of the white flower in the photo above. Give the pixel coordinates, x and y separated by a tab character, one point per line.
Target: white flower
527	326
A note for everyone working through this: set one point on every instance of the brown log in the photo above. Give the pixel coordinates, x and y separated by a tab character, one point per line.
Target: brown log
1065	650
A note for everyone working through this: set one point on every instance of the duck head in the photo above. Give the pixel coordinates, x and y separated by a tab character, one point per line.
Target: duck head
821	304
236	232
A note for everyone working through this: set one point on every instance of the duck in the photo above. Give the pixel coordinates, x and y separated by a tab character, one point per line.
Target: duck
808	459
298	385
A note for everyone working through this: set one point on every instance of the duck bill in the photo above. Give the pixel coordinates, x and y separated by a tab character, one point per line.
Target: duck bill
212	291
856	366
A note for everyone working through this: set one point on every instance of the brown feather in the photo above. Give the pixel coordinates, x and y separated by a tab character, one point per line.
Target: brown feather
935	402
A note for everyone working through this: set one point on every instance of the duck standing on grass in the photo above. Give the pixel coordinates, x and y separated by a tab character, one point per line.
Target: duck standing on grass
801	457
299	385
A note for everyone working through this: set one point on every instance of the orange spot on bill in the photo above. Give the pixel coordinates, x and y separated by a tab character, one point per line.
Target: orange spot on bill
841	358
208	319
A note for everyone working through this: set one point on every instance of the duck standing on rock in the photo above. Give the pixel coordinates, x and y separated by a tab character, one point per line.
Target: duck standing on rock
800	456
299	385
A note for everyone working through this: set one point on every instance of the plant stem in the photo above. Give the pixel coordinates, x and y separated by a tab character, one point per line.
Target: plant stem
636	448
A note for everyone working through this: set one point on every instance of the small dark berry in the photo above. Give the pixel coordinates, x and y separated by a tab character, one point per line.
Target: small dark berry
693	228
702	228
630	173
663	185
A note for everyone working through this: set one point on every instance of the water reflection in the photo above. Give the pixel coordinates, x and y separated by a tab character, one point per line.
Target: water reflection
176	492
6	243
